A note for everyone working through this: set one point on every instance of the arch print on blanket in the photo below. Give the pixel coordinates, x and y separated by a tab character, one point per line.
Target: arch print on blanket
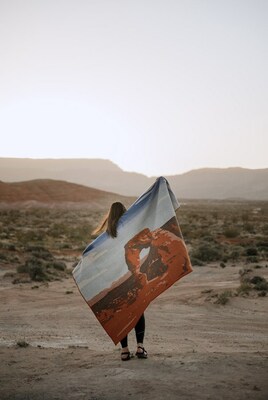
119	277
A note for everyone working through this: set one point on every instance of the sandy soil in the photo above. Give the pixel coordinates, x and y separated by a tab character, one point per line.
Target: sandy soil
197	349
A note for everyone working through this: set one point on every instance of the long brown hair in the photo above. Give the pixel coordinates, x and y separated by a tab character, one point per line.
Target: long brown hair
110	221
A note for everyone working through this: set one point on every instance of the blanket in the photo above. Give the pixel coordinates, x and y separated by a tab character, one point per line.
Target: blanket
119	277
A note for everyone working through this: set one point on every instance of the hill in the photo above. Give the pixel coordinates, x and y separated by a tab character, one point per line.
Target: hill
226	183
47	192
206	183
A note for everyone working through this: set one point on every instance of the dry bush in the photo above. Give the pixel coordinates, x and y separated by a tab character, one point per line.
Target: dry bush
22	343
259	283
59	265
244	288
251	284
224	297
231	232
207	252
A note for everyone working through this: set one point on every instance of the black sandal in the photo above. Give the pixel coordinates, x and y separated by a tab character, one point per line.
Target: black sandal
127	354
142	354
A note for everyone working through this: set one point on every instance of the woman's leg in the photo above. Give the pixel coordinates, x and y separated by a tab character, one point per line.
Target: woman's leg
125	354
140	330
124	342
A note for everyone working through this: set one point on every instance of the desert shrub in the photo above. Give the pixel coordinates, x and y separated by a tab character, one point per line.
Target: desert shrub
244	288
15	259
215	215
207	252
40	270
23	268
194	233
44	255
235	253
22	343
245	279
7	246
231	232
9	275
265	229
4	235
251	251
223	297
234	219
222	265
208	238
40	252
58	230
80	232
194	261
260	283
253	259
257	279
260	243
31	236
35	268
262	286
59	265
262	246
249	228
37	272
245	217
3	257
244	272
65	246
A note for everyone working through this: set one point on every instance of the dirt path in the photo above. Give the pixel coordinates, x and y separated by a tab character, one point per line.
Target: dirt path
197	349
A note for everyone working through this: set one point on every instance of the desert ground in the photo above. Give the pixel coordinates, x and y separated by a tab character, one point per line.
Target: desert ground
197	349
206	336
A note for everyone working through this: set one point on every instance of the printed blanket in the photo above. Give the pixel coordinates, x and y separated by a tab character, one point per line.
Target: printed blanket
119	277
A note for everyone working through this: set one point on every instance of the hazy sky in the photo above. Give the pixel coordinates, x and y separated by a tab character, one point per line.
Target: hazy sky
158	87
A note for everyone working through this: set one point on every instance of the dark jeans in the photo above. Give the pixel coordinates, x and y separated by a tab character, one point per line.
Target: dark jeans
139	330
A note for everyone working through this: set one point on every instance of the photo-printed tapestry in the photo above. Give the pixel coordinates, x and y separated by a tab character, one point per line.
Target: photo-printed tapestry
119	277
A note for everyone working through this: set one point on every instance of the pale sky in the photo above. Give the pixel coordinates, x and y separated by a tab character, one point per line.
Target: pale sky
158	87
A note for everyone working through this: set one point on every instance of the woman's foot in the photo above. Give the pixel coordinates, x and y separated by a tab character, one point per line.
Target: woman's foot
141	352
125	354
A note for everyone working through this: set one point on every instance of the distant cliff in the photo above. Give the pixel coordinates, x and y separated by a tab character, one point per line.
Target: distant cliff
206	183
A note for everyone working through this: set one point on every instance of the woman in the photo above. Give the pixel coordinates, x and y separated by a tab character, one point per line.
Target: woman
110	223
